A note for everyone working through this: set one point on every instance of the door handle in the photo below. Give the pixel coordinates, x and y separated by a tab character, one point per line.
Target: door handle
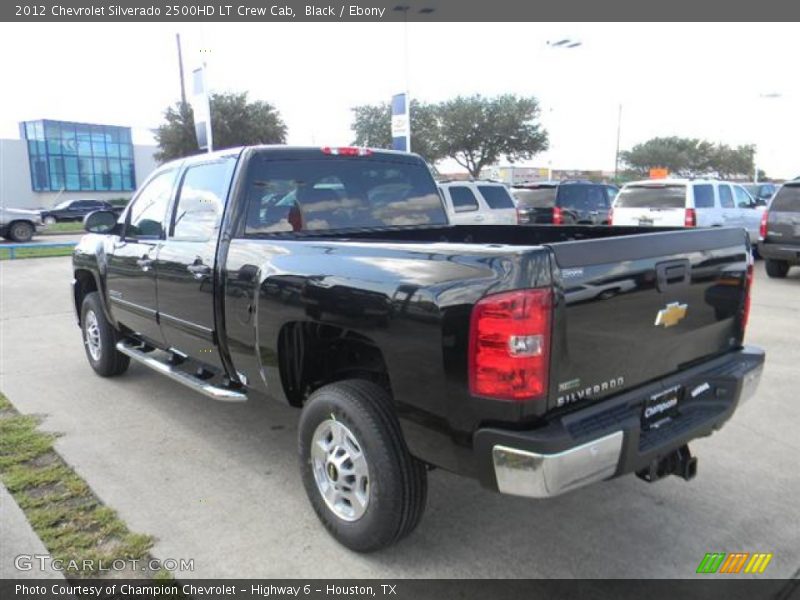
199	270
479	217
145	263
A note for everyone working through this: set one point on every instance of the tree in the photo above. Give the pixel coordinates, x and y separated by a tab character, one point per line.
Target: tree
477	131
372	125
687	157
234	122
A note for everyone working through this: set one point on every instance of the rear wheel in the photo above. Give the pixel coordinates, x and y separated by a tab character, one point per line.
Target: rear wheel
20	231
100	339
365	487
777	268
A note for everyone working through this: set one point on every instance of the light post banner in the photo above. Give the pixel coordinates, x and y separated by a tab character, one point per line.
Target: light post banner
401	123
202	110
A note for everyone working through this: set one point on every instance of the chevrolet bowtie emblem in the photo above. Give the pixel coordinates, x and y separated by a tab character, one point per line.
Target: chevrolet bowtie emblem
671	315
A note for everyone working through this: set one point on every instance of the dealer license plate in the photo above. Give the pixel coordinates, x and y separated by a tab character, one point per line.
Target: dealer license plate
660	408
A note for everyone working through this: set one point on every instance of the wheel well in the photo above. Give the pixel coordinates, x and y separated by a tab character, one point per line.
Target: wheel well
84	284
311	355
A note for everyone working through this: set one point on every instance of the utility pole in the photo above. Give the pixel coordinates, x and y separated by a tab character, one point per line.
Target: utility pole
616	156
180	70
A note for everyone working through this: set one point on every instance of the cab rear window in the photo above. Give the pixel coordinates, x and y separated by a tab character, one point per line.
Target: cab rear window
339	193
787	199
651	196
496	196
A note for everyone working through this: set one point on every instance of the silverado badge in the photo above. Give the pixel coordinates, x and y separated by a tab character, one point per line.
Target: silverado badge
671	315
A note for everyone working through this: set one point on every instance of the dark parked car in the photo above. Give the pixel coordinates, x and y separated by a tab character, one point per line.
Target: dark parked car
780	230
564	202
406	343
73	210
761	192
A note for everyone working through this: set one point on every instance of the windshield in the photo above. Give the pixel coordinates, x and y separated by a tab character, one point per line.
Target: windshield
339	193
543	197
63	204
651	196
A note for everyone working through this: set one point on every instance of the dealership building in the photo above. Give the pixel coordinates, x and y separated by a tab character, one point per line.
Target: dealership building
54	161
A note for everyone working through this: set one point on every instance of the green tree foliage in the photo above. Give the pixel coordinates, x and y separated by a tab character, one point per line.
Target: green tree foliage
476	131
473	130
689	157
372	125
234	122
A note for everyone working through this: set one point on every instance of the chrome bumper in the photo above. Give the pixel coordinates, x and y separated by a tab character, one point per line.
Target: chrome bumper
750	384
523	473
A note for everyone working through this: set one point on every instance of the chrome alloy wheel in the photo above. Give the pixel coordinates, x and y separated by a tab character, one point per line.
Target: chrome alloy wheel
91	335
340	470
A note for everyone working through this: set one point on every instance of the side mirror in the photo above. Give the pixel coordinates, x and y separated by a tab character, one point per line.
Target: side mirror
100	221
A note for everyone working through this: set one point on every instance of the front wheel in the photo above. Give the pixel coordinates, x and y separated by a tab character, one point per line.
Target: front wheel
50	220
21	231
777	268
365	487
100	339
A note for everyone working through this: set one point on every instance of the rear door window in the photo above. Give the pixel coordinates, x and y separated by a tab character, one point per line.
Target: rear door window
339	193
496	196
463	199
704	196
653	196
725	197
787	199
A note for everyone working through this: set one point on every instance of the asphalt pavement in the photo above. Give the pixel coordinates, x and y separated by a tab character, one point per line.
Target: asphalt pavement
219	483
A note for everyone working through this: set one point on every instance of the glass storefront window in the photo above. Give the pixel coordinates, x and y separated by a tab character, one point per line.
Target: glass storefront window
79	156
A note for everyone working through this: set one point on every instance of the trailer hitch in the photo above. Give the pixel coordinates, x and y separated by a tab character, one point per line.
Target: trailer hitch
680	462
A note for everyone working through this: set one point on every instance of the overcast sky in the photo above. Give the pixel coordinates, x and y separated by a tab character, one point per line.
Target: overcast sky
700	80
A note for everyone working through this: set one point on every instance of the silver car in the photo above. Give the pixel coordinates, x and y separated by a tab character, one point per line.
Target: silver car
19	225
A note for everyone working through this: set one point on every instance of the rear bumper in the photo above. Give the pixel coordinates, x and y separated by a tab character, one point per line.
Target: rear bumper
785	252
607	440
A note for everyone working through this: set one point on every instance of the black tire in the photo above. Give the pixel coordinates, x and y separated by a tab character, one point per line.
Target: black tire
107	361
777	268
20	231
398	483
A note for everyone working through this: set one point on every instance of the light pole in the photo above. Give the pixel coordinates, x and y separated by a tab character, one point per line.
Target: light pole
619	131
404	8
561	44
764	96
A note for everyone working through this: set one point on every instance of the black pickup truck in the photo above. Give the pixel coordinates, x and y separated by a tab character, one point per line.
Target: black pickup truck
534	359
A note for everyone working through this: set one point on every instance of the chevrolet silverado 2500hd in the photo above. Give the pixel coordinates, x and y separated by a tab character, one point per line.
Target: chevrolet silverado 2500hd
534	359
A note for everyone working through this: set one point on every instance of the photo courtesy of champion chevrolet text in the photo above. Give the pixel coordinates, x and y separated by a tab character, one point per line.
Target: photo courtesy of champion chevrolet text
414	299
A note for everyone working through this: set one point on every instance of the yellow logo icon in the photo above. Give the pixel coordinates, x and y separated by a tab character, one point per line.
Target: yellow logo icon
671	315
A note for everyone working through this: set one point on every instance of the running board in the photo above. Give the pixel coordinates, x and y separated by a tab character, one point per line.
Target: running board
212	391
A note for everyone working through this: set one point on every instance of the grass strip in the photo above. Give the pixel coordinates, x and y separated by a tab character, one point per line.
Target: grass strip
70	520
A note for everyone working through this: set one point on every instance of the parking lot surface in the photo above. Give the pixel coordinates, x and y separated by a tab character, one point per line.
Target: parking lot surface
219	483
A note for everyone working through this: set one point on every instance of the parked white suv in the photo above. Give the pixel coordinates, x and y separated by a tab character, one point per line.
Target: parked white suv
686	203
478	203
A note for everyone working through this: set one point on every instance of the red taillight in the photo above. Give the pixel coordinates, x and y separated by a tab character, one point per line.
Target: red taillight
762	230
347	151
558	216
610	216
509	345
690	218
748	286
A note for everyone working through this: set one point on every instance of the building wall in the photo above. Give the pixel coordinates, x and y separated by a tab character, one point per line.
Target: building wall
15	178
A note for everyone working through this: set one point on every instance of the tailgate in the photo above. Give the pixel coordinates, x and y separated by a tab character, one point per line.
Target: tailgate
637	308
650	217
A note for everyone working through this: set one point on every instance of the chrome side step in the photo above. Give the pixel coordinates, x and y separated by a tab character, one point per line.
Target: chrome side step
212	391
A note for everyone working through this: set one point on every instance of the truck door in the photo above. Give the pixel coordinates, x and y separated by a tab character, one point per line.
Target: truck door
186	278
131	275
